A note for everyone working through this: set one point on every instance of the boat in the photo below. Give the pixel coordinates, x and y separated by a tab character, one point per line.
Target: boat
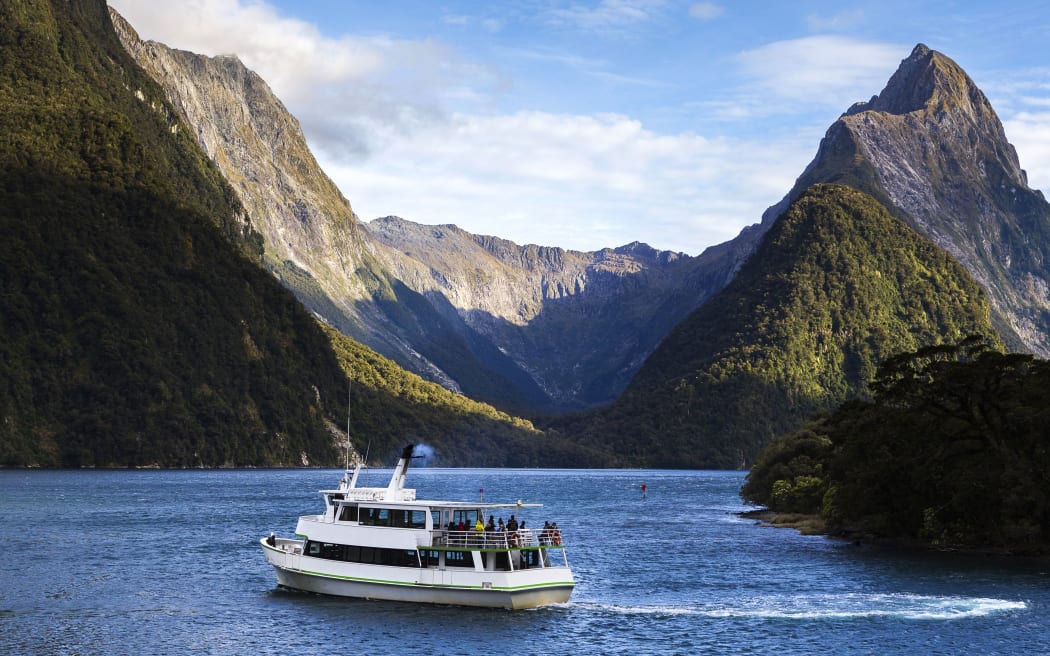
383	543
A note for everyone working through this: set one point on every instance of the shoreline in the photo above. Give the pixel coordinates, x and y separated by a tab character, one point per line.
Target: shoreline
811	524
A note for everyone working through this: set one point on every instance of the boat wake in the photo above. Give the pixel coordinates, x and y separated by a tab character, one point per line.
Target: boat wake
845	606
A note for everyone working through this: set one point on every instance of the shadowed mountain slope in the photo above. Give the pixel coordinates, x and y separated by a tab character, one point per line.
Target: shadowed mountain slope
529	328
138	327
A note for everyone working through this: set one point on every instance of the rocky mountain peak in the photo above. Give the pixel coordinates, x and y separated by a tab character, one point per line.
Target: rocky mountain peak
928	81
931	148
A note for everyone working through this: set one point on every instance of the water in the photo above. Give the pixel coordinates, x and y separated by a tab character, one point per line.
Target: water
148	562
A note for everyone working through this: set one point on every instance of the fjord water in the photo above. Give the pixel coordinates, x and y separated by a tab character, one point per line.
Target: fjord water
167	562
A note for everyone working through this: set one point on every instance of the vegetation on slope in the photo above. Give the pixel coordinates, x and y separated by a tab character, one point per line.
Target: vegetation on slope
836	286
138	328
951	451
390	407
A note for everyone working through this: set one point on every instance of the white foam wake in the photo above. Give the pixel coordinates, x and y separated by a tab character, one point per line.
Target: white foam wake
840	606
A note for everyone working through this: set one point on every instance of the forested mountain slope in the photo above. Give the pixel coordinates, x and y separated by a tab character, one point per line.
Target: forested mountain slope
138	327
837	285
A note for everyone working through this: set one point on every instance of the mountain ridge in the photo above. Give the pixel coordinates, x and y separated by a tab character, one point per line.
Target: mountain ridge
932	149
836	286
505	332
138	328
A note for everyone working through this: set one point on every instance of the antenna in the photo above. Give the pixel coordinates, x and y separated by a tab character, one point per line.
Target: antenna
349	389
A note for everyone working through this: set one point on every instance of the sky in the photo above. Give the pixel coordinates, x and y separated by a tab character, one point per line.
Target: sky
588	124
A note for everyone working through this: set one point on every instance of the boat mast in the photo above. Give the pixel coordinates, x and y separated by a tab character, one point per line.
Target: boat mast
350	479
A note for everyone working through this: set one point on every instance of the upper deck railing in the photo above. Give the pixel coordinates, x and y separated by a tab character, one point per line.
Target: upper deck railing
525	537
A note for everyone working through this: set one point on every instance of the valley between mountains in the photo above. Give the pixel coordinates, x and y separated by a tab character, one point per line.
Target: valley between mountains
913	226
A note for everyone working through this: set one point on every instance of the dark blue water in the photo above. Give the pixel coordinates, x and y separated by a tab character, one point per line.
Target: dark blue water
147	562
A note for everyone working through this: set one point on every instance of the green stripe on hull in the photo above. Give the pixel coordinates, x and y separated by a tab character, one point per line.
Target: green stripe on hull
536	586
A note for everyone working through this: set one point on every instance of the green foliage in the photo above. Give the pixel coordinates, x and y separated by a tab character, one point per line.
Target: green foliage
836	286
138	328
789	473
134	330
391	407
952	450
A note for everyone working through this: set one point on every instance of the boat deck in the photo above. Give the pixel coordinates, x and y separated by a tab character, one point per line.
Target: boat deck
500	540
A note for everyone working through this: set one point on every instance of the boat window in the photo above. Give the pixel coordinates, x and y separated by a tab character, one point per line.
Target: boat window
348	513
458	559
468	517
394	517
365	555
375	516
430	558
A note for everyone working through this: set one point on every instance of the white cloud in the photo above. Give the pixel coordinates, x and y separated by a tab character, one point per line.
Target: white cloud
582	182
819	70
840	21
377	112
706	11
608	15
340	89
407	127
1022	100
1030	134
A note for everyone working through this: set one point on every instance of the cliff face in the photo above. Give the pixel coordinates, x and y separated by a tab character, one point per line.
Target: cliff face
527	328
837	286
579	323
136	326
932	149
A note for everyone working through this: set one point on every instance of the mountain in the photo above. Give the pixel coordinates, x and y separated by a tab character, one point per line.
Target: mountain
138	327
931	148
528	328
579	323
836	286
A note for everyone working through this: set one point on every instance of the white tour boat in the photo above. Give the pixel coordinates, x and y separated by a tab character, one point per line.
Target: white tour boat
383	543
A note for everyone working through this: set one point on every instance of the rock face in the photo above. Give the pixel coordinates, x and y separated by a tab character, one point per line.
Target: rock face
579	323
837	286
527	328
931	148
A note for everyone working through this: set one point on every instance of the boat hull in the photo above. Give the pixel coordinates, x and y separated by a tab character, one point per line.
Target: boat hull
466	588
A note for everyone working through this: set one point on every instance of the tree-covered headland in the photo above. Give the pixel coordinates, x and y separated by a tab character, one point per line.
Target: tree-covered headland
952	450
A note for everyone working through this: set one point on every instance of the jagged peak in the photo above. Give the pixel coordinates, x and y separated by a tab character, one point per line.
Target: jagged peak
926	80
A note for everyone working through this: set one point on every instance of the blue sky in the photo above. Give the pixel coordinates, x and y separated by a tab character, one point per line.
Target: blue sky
591	124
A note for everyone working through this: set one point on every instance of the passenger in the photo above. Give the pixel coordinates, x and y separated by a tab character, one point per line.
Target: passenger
272	540
501	527
555	534
491	526
545	534
479	531
512	531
